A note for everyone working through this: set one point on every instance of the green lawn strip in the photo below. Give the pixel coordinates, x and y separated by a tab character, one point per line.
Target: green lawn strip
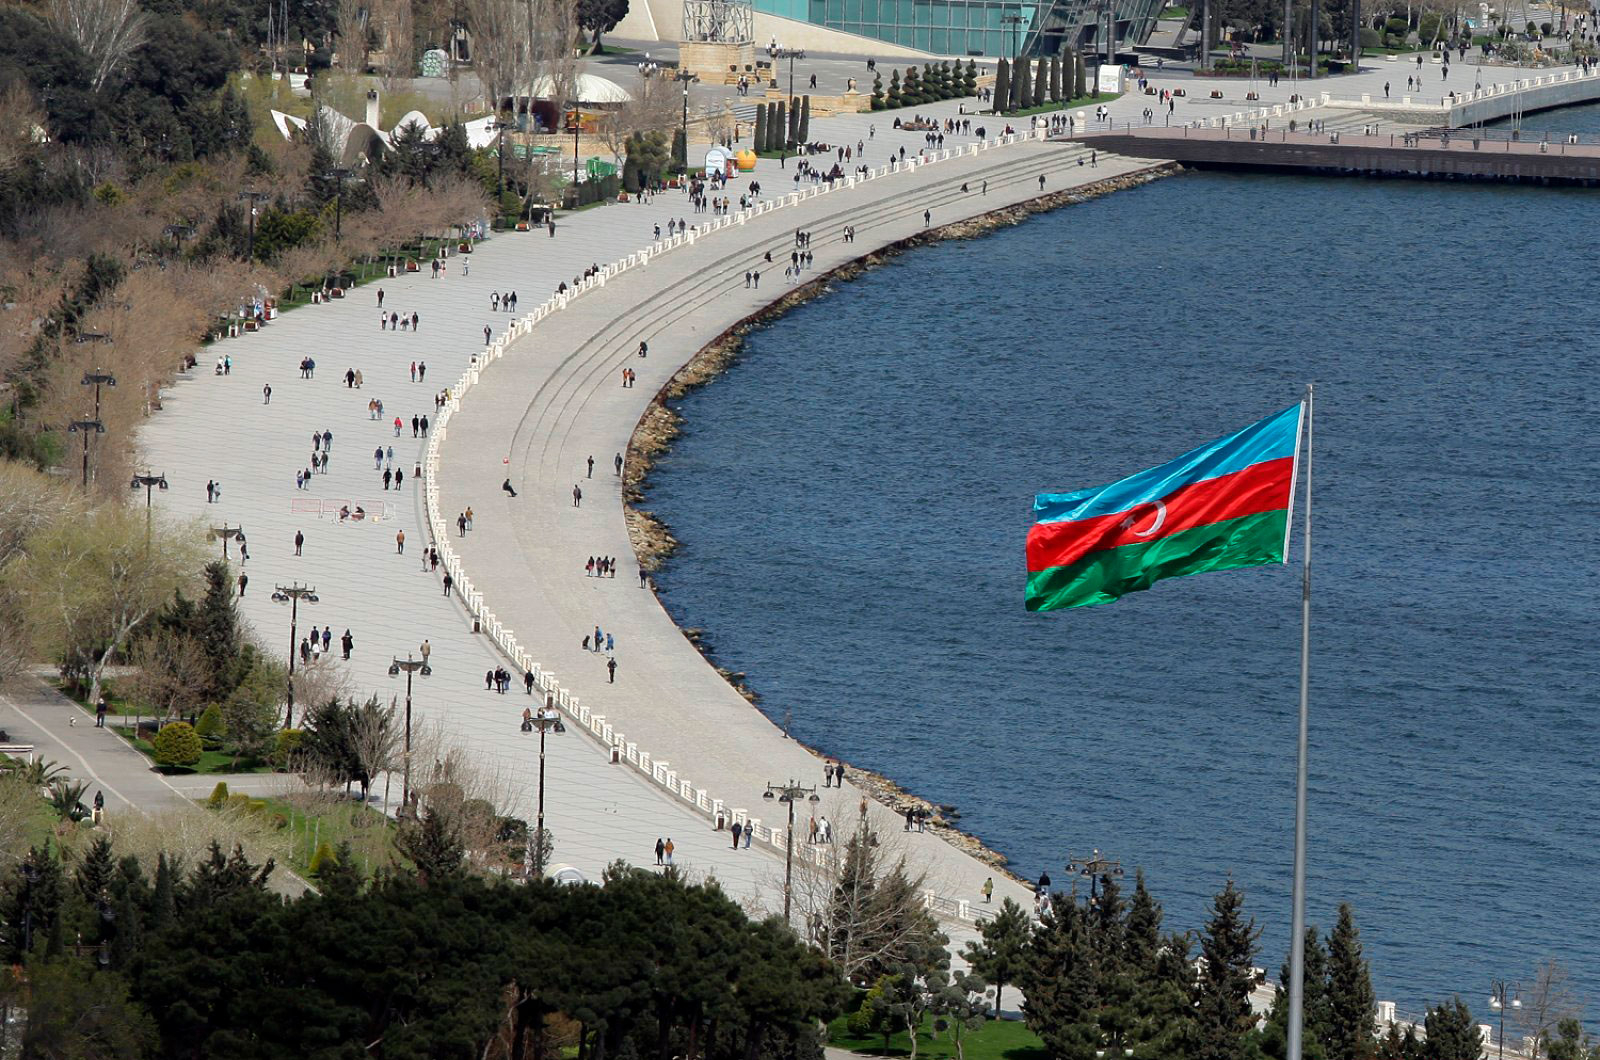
998	1040
371	841
1173	12
1043	108
211	761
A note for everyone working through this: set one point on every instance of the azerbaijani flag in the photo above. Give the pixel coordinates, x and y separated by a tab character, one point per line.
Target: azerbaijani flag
1221	506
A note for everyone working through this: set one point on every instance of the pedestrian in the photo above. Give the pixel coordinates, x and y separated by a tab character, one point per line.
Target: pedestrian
327	637
100	713
486	332
591	465
988	889
99	803
577	496
347	642
413	371
388	477
399	477
506	485
266	393
449	583
299	541
669	849
661	849
399	541
527	682
644	348
416	424
617	461
927	218
380	298
911	819
610	643
377	458
425	650
422	370
738	831
756	279
244	579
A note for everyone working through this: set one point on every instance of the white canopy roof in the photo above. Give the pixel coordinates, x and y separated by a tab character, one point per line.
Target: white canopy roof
590	89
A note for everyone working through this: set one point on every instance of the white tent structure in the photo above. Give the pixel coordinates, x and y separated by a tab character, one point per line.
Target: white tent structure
590	89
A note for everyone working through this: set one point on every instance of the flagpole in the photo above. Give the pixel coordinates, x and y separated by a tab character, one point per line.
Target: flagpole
1297	942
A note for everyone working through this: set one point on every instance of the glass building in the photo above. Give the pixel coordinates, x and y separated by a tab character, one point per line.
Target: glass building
980	27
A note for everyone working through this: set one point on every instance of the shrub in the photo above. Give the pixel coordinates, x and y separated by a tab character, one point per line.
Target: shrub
1370	38
877	91
178	745
1397	27
322	856
209	727
219	795
286	746
1544	28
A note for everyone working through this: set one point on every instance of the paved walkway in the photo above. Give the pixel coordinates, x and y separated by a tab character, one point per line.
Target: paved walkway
221	429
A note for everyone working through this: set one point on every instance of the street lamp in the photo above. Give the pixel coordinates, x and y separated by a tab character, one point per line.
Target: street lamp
292	594
788	793
226	533
85	427
1094	866
574	124
793	120
685	77
96	379
410	666
340	174
548	719
254	197
1014	21
1499	1002
149	482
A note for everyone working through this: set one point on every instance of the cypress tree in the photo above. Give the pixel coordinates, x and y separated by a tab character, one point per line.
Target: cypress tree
774	129
164	899
1223	996
1081	79
1069	70
1022	86
794	124
1041	82
1055	79
1351	1008
759	137
805	119
780	129
217	629
911	88
1002	87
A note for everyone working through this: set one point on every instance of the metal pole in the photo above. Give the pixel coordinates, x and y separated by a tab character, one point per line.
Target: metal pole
1297	944
405	781
788	862
1311	50
294	621
1288	49
538	835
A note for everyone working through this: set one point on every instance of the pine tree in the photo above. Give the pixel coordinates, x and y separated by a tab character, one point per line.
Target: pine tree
95	871
1055	79
999	956
1223	1002
1022	85
1060	984
759	137
1351	1007
217	629
1041	82
1450	1033
1274	1036
164	898
1002	87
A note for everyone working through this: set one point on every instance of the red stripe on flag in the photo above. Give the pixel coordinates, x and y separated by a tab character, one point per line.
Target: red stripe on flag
1262	487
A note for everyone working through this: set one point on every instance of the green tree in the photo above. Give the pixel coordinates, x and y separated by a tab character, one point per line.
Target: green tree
1022	85
959	1007
805	119
1061	984
780	132
1450	1032
75	1015
96	871
895	98
1274	1037
177	744
600	16
322	858
1001	952
433	843
1351	1007
877	91
911	88
1080	80
250	714
759	137
209	727
970	79
1055	79
219	795
1041	82
1228	945
1572	1042
874	1016
1002	87
31	901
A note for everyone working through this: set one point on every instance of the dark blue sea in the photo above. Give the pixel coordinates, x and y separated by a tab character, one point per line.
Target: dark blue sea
854	494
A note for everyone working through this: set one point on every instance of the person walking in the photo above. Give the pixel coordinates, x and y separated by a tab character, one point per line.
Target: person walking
577	496
617	462
266	393
347	642
244	579
425	650
611	671
299	541
449	583
399	542
988	889
487	331
738	831
668	849
661	850
591	465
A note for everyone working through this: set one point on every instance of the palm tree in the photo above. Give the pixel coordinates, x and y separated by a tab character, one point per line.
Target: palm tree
66	798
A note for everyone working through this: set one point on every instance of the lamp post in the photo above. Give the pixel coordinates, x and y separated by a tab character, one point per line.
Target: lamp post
574	125
340	174
792	120
226	533
85	427
685	77
292	594
1499	1002
1094	866
788	793
96	379
548	719
1014	21
149	482
410	666
254	197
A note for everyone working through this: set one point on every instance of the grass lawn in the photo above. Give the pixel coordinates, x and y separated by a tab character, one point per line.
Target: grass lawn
998	1040
1174	12
1043	108
210	761
319	820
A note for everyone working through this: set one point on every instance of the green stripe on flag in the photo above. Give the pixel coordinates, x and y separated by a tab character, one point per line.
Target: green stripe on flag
1102	577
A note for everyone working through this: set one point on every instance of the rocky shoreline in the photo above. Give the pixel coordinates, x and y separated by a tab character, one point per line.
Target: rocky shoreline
652	540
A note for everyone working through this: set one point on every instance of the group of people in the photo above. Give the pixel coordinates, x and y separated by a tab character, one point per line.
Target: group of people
315	643
497	680
601	567
393	321
506	301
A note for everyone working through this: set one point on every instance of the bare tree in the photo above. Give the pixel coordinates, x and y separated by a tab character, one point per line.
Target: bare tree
375	738
170	673
350	23
108	31
318	681
397	25
498	56
1550	999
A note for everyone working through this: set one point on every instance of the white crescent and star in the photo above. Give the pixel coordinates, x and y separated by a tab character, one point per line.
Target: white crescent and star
1161	517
